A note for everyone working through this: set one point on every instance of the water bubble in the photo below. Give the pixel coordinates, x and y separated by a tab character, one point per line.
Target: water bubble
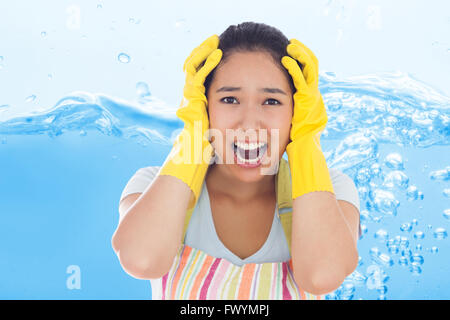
133	20
360	261
364	229
443	174
391	121
446	191
362	176
380	258
376	218
30	98
363	192
396	179
392	246
376	277
440	233
381	234
385	259
419	247
406	253
347	290
412	193
142	90
419	235
414	222
374	252
179	23
357	278
364	216
434	249
416	258
383	201
332	296
382	290
394	161
415	268
403	261
406	227
123	58
447	214
404	243
393	249
376	169
372	283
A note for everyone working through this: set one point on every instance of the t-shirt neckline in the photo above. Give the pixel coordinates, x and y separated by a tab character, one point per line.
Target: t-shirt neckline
261	251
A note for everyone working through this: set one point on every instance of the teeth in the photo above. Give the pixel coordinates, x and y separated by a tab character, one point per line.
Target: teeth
250	161
249	146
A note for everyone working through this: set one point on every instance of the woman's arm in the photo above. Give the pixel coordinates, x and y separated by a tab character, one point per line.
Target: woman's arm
324	249
149	236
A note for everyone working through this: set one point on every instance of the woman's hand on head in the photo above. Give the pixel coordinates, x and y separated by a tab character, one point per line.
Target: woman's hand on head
202	60
186	161
309	110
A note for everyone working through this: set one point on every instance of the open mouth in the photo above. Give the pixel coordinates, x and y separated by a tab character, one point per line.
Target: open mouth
249	153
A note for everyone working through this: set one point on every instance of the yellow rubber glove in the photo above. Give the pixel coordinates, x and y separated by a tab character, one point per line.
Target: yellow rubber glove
192	151
309	171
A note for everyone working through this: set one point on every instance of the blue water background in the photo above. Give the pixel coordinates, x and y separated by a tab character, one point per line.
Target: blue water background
78	120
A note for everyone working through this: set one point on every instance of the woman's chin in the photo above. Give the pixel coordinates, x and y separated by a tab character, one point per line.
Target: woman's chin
248	172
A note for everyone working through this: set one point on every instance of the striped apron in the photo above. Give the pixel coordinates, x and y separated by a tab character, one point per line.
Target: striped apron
195	275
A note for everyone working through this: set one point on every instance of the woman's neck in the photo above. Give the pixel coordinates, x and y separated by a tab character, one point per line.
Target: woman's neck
219	180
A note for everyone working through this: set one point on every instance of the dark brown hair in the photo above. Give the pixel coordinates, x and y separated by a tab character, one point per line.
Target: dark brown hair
252	37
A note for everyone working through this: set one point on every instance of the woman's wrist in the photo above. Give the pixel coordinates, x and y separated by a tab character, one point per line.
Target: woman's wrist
309	170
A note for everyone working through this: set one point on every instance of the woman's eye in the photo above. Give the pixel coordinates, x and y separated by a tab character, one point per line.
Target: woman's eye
232	98
278	102
228	98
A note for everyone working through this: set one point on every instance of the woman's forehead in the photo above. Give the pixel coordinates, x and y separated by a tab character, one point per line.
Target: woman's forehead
241	68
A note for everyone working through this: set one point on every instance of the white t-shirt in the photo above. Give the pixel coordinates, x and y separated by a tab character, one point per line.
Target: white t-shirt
201	232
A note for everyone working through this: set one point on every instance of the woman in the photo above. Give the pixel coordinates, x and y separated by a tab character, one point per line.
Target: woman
233	246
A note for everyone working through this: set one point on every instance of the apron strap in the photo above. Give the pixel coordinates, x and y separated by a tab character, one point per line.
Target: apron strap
186	222
283	189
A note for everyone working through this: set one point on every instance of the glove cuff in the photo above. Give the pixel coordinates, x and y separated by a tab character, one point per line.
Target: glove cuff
309	171
190	167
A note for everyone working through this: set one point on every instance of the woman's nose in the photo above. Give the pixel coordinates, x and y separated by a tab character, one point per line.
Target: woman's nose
251	117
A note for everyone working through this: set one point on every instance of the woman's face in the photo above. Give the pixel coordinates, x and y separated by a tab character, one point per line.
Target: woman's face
238	101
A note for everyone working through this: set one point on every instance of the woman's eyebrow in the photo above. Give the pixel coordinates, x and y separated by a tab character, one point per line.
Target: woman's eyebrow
269	90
